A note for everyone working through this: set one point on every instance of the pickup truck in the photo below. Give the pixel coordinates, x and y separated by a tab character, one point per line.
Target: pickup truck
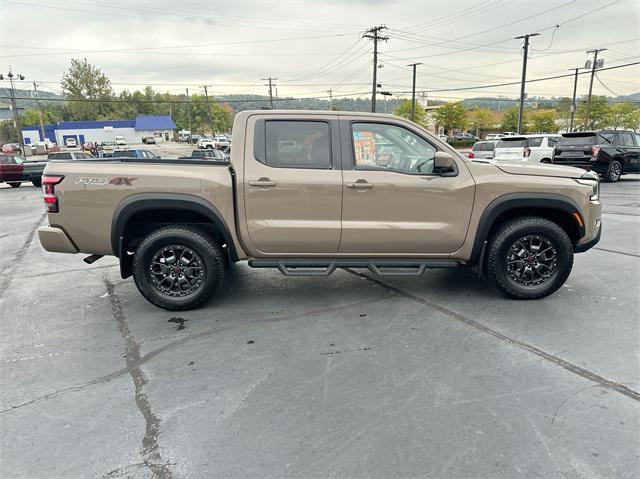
217	142
306	193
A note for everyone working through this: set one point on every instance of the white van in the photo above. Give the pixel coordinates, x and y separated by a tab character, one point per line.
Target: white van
531	148
120	140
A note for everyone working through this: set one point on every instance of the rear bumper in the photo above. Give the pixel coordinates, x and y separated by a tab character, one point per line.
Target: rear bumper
55	240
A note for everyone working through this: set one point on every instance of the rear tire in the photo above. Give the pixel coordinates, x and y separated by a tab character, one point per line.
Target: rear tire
614	172
529	258
178	268
15	184
37	182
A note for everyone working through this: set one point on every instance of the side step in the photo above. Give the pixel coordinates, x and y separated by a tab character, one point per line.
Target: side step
324	267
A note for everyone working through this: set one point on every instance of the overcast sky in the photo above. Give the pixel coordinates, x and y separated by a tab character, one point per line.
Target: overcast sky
314	46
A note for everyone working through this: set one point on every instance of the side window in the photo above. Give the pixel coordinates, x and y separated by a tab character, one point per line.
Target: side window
552	140
297	144
637	139
7	160
626	139
64	156
535	141
392	148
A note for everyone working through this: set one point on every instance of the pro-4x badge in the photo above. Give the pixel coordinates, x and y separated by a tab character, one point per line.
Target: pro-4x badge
86	180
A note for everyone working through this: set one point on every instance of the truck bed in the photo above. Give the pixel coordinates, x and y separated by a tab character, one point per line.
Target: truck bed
92	192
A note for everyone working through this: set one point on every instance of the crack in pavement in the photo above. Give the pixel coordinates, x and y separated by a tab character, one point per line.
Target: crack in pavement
617	252
6	272
150	450
186	338
573	368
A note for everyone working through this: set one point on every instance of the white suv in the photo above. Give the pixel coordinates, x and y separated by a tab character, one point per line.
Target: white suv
530	148
217	142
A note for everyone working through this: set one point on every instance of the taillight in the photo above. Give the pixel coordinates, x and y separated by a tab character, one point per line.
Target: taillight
595	149
472	154
48	192
527	152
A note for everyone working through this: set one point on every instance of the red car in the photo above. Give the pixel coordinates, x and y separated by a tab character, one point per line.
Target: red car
11	170
11	148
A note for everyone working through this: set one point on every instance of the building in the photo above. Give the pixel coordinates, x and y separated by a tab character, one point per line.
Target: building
133	131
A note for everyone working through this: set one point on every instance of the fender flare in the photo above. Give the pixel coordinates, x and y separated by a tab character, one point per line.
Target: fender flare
137	203
512	201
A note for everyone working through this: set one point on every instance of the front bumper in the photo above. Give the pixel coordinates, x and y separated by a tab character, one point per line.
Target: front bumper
590	243
56	240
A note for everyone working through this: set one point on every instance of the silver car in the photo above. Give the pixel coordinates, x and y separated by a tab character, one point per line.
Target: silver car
483	149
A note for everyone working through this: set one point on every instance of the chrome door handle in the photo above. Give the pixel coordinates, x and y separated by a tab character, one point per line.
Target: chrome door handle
262	182
360	184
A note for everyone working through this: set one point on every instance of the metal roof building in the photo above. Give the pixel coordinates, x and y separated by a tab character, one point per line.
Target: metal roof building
160	127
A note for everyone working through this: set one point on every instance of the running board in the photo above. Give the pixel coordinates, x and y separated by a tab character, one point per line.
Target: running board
324	267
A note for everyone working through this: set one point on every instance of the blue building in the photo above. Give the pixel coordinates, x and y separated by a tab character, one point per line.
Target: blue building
132	131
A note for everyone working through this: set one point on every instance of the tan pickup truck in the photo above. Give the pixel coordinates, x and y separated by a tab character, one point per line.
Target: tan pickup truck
309	192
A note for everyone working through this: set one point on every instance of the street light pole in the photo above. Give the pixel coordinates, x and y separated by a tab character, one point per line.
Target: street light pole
14	107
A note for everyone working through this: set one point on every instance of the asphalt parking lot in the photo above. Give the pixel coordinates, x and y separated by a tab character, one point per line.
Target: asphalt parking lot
346	376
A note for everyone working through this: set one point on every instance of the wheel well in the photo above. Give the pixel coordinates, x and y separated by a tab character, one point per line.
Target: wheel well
142	223
562	218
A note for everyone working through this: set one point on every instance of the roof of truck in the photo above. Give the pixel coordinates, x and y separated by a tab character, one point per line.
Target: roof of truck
316	112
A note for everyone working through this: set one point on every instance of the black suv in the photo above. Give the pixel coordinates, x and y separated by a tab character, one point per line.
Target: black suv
610	153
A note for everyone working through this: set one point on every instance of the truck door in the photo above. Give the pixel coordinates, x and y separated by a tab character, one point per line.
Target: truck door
293	186
394	202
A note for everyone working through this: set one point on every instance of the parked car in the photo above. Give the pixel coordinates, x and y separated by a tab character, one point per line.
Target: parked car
207	154
195	139
530	148
69	155
610	153
33	169
70	143
464	136
149	140
11	170
135	153
120	141
483	150
493	136
323	205
11	148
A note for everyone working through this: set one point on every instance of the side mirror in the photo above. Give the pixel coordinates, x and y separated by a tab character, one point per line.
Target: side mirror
443	161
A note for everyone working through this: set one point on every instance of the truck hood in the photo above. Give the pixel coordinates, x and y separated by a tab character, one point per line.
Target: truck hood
541	170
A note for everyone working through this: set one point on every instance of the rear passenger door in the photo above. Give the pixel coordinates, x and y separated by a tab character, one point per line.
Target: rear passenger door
293	185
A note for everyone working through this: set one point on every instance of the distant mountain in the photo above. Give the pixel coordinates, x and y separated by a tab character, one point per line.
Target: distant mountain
5	95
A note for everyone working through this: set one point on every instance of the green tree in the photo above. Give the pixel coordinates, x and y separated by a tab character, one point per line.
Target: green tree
8	132
510	119
542	121
88	91
599	115
404	110
563	112
624	115
481	119
451	116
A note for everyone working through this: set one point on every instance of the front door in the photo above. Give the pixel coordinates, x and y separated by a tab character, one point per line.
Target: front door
394	201
292	189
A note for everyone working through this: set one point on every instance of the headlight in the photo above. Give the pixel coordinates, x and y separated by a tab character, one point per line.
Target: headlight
595	188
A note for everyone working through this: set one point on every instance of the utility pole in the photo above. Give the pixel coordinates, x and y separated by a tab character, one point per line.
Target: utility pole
573	100
593	73
330	92
524	76
271	80
35	90
206	95
14	107
374	34
425	99
413	92
189	116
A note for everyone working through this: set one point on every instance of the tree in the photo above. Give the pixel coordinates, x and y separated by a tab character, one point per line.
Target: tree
481	119
88	90
598	115
542	121
510	119
404	110
563	111
451	116
624	115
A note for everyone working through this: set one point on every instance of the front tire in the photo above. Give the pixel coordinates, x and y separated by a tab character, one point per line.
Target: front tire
178	268
15	184
614	172
529	258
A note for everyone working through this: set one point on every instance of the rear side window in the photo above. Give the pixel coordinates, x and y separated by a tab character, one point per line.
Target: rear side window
607	138
60	156
535	141
552	140
7	160
512	143
297	144
637	139
626	139
577	140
